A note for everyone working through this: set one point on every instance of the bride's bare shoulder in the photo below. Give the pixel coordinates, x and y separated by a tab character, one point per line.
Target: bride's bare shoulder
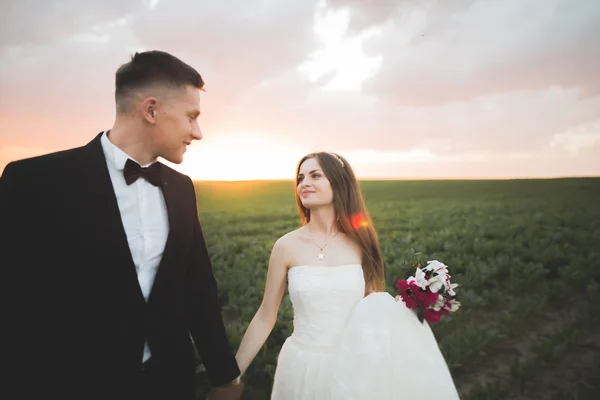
290	239
285	247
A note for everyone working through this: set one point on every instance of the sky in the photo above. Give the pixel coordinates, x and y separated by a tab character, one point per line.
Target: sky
405	89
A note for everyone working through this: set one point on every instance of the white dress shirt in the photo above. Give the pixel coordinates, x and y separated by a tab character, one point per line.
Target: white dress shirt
144	215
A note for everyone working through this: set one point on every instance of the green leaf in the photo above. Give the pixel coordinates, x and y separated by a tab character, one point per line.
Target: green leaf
420	314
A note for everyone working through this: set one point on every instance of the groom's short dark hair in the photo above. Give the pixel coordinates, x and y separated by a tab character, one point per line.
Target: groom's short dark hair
152	68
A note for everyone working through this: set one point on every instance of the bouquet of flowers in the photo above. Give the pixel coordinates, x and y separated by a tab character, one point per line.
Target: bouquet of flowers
429	292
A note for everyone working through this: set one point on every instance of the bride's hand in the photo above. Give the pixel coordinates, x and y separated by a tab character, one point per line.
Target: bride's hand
226	392
397	298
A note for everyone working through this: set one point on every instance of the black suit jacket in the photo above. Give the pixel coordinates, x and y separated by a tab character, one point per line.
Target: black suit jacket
75	319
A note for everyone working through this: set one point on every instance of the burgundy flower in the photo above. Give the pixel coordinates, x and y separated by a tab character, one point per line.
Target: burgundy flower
432	316
425	297
407	292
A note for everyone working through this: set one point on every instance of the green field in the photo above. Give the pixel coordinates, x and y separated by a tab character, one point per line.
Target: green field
525	252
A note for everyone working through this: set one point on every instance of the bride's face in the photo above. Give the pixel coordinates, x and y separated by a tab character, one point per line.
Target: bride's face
313	188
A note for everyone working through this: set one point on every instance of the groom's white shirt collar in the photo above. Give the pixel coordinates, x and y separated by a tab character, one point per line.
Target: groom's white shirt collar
114	155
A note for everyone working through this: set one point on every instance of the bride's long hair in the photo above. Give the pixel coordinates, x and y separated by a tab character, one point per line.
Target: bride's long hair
351	213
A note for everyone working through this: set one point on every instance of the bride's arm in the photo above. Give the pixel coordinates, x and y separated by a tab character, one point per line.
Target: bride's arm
264	320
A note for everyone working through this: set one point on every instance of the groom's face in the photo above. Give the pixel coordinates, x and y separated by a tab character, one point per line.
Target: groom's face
177	123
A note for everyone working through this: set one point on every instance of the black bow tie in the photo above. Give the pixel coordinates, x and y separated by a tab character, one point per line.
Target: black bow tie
134	170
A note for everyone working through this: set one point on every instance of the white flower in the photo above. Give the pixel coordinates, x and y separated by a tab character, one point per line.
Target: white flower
440	300
451	291
421	279
436	283
454	305
443	277
436	266
439	303
438	280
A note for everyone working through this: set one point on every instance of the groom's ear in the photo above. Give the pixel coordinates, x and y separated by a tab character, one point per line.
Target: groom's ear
149	109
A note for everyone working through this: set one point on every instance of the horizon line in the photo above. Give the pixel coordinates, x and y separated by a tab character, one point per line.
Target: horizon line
411	179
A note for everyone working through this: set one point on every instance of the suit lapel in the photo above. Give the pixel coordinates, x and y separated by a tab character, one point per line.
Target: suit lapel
107	227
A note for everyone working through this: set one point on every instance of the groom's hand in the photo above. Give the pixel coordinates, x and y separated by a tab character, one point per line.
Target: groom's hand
227	392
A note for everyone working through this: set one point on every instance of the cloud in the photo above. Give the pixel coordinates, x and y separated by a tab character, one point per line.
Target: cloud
235	45
363	14
508	122
581	137
61	92
35	22
440	52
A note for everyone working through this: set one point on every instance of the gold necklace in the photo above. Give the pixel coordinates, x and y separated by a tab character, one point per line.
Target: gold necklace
321	256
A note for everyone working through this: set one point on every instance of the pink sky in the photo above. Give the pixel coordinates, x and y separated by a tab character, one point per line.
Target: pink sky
428	89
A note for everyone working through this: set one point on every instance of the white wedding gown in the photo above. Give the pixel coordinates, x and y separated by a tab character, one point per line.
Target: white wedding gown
347	346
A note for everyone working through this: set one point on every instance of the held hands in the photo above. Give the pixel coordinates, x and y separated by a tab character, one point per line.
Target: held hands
231	391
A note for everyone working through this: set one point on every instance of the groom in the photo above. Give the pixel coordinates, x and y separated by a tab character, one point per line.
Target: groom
105	270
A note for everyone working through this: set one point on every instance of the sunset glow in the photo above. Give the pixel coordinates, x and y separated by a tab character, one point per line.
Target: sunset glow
239	156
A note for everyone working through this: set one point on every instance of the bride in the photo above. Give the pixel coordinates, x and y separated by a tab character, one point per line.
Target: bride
351	339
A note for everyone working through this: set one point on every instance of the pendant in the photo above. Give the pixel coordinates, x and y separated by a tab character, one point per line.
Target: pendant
320	256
